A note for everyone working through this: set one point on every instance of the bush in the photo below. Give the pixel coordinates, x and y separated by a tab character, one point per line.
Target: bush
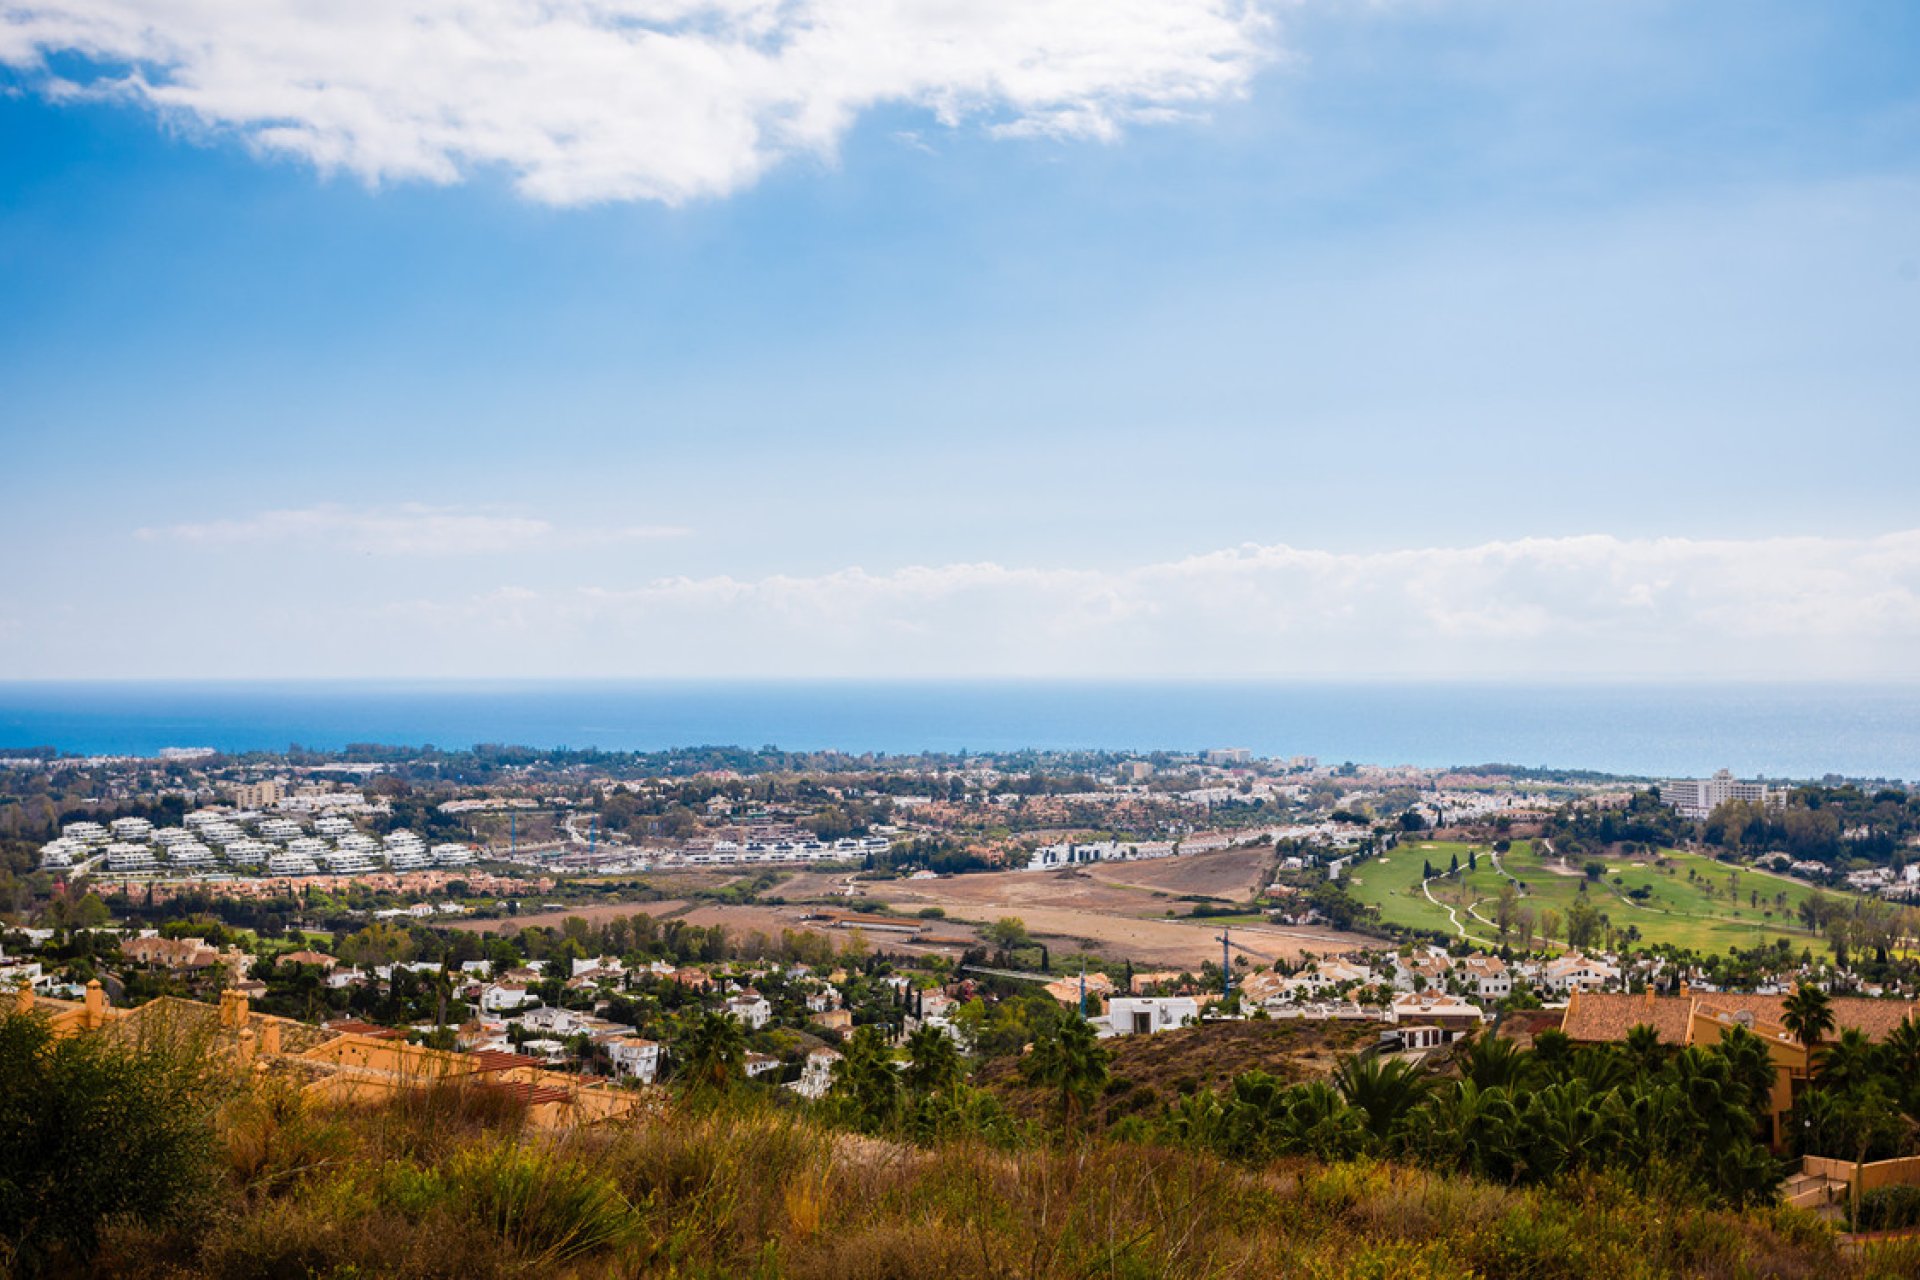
1889	1209
93	1129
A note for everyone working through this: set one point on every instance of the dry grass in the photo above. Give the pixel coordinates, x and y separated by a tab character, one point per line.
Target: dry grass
450	1186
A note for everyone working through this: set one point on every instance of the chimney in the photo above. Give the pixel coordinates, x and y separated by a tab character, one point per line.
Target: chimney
1685	991
96	1006
1648	993
23	999
270	1040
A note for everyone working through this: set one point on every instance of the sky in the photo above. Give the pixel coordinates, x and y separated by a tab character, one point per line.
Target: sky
1159	338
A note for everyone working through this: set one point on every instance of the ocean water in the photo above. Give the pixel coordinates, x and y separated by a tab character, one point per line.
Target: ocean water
1653	730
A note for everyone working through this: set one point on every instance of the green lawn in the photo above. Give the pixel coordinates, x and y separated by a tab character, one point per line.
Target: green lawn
1706	911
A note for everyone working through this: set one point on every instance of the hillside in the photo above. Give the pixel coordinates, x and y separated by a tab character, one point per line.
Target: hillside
1150	1071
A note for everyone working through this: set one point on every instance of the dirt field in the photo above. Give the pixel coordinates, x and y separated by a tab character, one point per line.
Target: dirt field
1229	874
1118	910
1072	906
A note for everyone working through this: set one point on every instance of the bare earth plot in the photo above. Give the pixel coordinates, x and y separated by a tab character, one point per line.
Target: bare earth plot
1073	906
1230	874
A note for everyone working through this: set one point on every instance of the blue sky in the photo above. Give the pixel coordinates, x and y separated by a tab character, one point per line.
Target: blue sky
1195	337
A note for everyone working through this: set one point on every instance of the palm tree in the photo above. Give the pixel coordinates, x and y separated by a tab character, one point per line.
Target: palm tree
1071	1059
866	1078
1808	1015
1644	1049
1901	1050
713	1051
934	1064
1848	1061
1385	1089
1493	1063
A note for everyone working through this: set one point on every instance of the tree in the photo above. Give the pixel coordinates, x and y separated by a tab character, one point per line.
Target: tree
1504	907
933	1063
1849	1061
1808	1015
1583	921
865	1079
1008	933
93	1130
1387	1089
713	1051
1643	1048
1070	1059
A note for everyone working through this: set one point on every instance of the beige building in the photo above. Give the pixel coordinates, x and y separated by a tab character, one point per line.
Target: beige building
264	794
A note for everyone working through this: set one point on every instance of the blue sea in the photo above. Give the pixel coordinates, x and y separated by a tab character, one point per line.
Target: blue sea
1799	731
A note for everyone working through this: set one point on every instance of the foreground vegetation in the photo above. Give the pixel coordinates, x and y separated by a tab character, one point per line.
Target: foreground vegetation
731	1182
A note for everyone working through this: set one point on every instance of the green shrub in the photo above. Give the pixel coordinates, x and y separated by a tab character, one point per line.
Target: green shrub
1889	1209
93	1129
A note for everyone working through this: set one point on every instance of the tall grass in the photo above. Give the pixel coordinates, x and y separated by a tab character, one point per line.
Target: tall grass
445	1187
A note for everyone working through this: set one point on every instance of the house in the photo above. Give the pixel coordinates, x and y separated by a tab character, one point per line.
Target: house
1421	972
559	1022
1097	987
634	1058
816	1074
1414	1039
1704	1017
170	953
751	1008
1487	977
1575	972
1261	987
504	997
759	1064
336	1065
1143	1015
1435	1008
318	959
840	1020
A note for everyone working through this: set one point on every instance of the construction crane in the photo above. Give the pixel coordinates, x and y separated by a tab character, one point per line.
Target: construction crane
1225	939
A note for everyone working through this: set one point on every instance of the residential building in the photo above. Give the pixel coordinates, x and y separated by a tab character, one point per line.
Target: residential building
1698	798
1144	1015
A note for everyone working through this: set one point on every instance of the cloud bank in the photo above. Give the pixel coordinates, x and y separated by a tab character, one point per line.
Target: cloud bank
1597	606
596	100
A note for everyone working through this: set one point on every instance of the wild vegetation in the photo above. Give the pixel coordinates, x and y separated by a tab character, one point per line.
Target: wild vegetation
1379	1173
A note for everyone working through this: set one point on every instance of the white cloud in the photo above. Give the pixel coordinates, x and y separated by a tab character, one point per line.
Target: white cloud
408	529
590	100
1599	606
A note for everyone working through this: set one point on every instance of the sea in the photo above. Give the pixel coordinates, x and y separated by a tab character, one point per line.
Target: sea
1641	730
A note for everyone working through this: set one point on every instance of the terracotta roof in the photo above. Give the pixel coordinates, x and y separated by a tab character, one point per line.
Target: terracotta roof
1607	1016
354	1027
500	1060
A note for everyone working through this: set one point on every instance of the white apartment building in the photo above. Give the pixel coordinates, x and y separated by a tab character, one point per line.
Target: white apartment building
86	832
189	854
126	858
132	830
1699	797
453	855
58	855
248	852
291	864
